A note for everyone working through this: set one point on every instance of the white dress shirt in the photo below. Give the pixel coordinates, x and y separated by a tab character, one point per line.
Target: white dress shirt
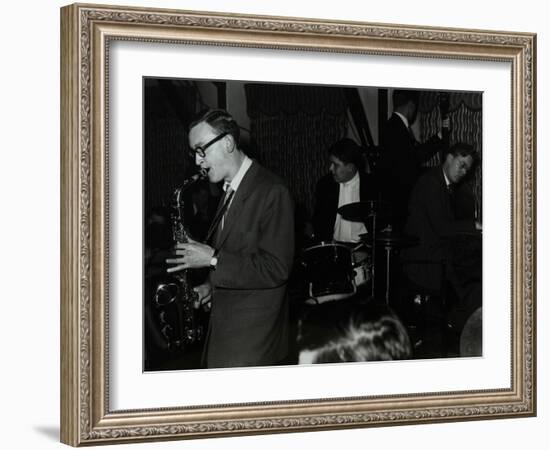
344	230
403	118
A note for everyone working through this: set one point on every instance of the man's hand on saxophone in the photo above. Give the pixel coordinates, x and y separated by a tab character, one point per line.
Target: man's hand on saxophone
204	298
191	255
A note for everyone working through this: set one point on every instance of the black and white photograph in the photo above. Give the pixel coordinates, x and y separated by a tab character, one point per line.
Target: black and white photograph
293	224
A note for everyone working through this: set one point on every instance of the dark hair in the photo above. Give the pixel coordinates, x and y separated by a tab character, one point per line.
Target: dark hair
220	120
402	96
464	149
347	151
345	332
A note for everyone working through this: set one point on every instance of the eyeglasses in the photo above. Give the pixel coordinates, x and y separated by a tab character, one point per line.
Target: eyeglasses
201	149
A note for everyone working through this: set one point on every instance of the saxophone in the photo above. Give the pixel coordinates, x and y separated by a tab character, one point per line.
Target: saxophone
175	297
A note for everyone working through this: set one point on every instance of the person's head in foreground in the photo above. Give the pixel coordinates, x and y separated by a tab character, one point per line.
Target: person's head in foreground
351	331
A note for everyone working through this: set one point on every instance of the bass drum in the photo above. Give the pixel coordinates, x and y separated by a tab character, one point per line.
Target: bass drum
329	272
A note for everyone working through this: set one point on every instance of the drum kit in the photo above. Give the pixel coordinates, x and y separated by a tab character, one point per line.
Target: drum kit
336	270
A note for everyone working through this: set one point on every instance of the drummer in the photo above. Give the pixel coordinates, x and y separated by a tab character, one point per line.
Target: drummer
346	183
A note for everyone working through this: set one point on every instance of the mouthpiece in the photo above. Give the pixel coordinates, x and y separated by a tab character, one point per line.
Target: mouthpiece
191	181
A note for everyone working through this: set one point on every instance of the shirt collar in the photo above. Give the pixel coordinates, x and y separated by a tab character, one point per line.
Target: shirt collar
447	182
353	181
236	181
403	118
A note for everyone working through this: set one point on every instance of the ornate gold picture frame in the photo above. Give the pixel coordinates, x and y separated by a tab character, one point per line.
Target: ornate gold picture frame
87	34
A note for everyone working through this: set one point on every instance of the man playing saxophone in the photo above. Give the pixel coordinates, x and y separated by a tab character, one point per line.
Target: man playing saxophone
249	250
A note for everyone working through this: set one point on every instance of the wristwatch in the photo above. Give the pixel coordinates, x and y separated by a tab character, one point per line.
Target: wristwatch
214	260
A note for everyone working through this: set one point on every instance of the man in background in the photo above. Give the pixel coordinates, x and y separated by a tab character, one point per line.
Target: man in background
432	219
402	155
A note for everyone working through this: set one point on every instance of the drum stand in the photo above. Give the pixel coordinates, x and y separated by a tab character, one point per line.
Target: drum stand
362	212
388	248
373	217
391	240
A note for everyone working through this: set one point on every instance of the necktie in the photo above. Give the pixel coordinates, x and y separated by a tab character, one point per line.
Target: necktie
227	202
217	224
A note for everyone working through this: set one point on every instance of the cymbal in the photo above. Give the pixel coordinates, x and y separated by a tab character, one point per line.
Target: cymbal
360	211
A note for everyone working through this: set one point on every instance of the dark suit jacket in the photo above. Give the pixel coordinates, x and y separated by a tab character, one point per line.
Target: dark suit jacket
249	319
326	203
432	220
400	164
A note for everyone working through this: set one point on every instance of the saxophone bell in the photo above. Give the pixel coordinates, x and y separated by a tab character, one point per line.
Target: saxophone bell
166	294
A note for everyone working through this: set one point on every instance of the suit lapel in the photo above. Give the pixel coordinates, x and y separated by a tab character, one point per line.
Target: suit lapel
336	202
334	195
243	191
405	130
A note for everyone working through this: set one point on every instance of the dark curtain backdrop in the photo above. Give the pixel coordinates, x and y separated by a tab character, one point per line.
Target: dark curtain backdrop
465	112
165	144
291	128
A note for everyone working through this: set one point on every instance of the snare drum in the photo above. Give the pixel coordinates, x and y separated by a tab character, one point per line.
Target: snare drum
329	271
